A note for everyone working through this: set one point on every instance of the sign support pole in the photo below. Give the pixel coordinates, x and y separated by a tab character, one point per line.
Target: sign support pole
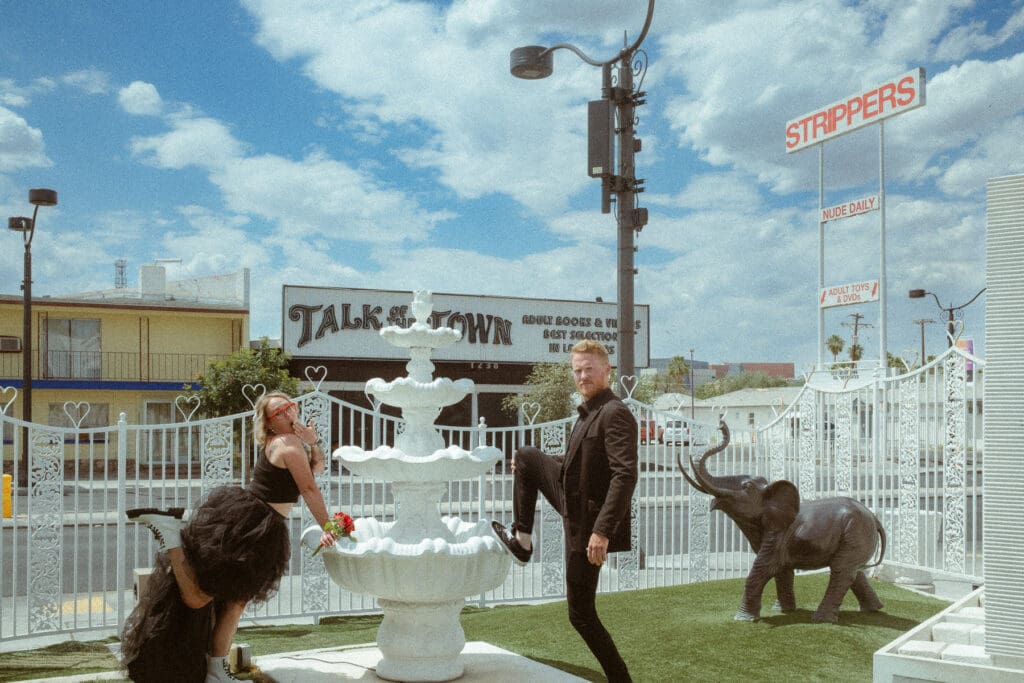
883	289
821	252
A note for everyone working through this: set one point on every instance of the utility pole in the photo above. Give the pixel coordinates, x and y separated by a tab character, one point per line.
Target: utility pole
922	323
691	384
856	325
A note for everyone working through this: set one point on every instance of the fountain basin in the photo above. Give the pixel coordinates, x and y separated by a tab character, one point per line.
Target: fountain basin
406	392
431	571
419	335
393	464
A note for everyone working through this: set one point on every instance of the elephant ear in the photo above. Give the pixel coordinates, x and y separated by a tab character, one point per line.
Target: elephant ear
781	504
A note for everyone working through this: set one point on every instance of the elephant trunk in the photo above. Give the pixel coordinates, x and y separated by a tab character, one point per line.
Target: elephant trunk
708	482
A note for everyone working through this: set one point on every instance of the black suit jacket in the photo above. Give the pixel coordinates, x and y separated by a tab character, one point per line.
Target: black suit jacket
599	473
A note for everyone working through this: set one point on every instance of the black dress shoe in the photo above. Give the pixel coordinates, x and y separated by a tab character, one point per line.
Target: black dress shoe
520	554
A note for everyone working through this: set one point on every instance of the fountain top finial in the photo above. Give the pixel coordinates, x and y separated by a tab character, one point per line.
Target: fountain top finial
422	305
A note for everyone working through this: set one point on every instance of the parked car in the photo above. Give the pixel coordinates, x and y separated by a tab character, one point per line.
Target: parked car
649	431
676	432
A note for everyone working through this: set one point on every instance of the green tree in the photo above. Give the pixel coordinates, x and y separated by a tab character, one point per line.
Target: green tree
646	388
678	372
835	345
548	386
897	362
856	352
220	390
737	381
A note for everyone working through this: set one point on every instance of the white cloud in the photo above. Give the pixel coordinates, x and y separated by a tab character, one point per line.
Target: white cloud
202	142
140	98
323	196
473	109
92	81
21	145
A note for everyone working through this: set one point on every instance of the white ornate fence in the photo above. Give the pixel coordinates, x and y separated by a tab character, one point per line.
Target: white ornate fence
910	447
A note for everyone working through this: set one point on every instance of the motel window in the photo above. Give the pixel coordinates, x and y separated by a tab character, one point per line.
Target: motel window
164	442
90	415
73	348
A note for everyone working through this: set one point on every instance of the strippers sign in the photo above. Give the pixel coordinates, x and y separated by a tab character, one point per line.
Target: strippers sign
847	295
895	96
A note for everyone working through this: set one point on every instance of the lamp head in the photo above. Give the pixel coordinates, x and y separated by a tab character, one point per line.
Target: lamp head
531	62
42	197
916	293
19	224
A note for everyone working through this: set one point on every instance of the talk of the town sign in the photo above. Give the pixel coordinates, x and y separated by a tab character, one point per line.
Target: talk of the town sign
324	322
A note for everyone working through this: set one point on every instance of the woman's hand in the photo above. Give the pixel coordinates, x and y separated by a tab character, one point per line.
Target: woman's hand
306	432
327	539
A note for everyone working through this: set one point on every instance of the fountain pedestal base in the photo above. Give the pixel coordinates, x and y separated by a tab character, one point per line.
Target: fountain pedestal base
407	654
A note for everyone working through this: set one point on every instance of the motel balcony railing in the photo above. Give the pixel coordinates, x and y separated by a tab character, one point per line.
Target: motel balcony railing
125	366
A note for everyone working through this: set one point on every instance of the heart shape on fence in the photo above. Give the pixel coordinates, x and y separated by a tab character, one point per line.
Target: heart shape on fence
629	384
80	408
958	329
8	402
374	401
316	374
257	391
182	402
530	411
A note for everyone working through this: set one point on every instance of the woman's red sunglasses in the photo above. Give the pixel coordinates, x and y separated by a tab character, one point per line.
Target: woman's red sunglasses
285	408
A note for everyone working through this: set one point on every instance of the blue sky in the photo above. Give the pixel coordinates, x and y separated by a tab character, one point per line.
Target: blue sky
385	145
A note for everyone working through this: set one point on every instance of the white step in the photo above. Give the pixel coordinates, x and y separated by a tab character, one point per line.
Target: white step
928	649
969	615
967	654
952	632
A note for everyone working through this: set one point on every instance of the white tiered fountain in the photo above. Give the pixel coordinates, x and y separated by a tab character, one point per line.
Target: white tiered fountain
422	566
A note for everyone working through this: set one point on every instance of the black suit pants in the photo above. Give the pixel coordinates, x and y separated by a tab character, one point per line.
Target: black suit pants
536	472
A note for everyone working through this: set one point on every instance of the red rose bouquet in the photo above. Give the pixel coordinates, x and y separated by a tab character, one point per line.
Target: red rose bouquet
341	525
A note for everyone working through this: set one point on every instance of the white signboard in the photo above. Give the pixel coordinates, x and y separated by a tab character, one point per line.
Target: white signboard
895	96
852	208
329	322
847	295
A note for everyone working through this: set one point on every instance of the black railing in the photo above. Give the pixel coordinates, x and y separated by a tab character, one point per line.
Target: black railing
111	365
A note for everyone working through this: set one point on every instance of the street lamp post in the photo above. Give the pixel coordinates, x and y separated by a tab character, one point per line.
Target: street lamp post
920	294
27	228
619	100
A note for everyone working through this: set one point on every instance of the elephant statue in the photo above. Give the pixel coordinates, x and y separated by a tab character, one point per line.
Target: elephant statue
838	533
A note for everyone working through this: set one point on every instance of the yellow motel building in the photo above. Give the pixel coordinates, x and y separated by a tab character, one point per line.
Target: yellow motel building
121	350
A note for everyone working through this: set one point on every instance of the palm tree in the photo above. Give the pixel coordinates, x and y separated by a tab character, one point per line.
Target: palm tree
678	369
856	352
835	346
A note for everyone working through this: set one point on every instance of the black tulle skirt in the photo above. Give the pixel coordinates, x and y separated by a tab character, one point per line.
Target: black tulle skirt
238	547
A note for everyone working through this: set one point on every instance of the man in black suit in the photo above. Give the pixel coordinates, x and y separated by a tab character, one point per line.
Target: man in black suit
592	487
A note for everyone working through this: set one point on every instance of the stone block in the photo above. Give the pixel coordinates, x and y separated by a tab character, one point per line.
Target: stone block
922	648
952	632
968	615
978	636
966	654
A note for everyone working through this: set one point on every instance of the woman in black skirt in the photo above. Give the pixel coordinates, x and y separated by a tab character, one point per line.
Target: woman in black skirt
232	551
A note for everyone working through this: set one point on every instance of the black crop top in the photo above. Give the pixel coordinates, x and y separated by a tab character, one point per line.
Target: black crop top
271	483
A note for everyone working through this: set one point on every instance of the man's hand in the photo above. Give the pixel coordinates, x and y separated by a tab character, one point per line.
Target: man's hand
597	549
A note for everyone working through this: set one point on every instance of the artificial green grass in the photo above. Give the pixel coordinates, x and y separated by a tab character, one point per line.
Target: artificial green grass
679	633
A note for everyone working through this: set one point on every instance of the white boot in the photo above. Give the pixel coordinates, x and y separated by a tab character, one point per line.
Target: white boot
165	525
218	671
